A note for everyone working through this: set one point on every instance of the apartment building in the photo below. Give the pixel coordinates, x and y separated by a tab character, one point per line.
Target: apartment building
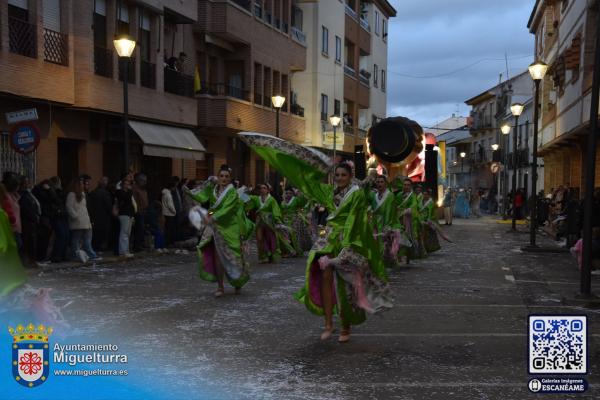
247	51
565	35
58	58
489	111
346	71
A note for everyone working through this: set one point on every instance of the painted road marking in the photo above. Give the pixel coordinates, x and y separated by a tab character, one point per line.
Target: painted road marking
509	278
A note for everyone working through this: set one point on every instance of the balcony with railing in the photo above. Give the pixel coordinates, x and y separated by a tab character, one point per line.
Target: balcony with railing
364	77
348	70
297	109
56	47
103	61
298	35
365	24
148	74
22	37
350	12
482	121
221	89
178	83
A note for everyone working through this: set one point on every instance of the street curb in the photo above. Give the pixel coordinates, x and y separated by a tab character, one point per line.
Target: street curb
106	261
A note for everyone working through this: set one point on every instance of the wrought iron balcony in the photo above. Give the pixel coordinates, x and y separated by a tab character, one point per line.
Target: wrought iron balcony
56	47
22	37
103	61
178	83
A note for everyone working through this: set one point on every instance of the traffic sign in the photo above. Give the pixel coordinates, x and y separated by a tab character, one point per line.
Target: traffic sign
25	137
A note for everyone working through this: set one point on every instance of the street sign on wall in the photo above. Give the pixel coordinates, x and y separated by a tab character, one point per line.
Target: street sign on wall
29	114
25	138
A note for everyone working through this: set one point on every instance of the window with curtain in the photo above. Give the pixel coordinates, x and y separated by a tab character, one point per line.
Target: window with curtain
325	41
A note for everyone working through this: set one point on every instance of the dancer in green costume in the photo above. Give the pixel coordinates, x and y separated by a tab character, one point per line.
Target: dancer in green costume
430	227
294	217
12	273
388	228
222	250
408	210
272	236
345	272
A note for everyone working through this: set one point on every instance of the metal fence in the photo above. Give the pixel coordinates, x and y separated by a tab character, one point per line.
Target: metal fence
12	161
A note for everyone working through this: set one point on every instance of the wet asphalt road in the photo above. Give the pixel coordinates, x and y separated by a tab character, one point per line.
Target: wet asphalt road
457	331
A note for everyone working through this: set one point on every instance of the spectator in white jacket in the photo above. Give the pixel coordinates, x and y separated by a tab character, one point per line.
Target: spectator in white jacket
79	223
169	213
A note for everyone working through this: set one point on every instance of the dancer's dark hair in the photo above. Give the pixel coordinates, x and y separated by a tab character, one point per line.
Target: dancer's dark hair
346	166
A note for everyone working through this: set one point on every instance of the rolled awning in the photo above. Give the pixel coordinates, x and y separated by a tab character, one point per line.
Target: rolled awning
168	141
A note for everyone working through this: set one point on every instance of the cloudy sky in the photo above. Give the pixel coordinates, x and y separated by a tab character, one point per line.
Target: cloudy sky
443	52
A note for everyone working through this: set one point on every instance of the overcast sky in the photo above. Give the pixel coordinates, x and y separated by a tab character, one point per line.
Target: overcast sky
443	52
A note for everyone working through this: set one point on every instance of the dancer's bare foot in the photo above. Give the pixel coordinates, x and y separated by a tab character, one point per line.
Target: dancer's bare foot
219	293
327	333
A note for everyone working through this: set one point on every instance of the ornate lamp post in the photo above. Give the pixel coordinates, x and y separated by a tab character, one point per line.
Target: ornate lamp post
125	45
334	120
537	70
516	109
505	129
278	102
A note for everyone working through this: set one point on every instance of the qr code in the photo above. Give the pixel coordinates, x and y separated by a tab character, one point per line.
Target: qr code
557	344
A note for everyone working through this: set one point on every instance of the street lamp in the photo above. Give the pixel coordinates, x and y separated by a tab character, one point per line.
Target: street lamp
462	161
516	109
505	129
278	102
125	45
537	70
495	147
335	122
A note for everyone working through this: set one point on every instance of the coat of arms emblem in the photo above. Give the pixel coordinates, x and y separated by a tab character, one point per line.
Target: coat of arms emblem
30	354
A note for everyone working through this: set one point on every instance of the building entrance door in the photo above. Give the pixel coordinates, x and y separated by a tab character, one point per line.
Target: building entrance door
68	159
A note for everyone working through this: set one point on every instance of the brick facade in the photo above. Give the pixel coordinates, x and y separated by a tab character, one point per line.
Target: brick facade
79	110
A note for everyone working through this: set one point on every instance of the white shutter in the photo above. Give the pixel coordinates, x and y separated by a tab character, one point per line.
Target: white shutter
100	7
52	15
19	3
